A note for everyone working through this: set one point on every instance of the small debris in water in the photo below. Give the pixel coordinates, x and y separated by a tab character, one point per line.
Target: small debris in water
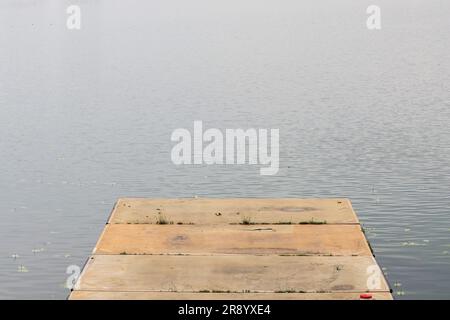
411	244
15	256
38	250
22	268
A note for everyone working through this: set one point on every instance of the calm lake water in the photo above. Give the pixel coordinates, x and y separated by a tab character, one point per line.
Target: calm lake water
86	117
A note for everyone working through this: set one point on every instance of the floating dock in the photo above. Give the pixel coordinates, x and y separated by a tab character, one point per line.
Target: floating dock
232	249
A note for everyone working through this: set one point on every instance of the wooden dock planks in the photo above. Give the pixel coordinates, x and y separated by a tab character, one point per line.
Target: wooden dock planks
335	240
151	295
226	211
226	273
230	249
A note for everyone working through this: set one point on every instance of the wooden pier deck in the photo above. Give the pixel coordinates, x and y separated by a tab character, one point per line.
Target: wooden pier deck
232	249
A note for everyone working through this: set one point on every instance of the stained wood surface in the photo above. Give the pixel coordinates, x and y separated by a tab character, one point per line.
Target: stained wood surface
336	240
236	211
149	295
233	273
231	249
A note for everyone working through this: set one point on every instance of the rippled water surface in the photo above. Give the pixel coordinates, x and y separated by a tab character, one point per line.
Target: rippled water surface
86	117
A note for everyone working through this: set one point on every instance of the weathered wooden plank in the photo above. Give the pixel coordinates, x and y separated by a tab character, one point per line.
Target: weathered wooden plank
231	249
233	239
146	295
235	211
235	273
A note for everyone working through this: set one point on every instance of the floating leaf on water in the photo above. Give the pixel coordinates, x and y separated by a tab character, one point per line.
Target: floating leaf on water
22	268
411	244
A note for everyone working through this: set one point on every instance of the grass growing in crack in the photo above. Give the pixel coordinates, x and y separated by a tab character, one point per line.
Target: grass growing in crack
368	242
162	220
290	291
246	220
312	221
